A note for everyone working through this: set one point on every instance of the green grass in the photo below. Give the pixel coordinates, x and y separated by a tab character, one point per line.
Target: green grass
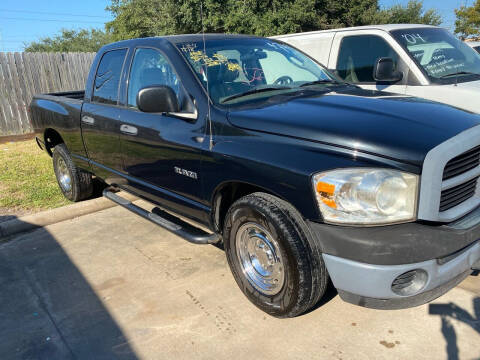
27	180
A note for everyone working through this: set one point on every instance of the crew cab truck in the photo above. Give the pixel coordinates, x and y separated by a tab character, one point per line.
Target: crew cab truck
304	178
408	59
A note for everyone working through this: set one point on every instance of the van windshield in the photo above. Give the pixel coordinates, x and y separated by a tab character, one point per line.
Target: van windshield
236	70
440	55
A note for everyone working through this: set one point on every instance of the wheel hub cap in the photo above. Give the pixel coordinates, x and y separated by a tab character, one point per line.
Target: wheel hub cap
260	258
64	177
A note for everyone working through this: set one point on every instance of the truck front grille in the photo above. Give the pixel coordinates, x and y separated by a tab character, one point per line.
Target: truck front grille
456	195
450	173
462	163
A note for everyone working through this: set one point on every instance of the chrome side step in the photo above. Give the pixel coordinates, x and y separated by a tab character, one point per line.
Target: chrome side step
166	221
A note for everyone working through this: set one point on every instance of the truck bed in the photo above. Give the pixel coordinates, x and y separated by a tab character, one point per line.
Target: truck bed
79	94
60	111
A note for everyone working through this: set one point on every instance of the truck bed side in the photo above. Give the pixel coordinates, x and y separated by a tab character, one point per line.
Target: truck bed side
56	118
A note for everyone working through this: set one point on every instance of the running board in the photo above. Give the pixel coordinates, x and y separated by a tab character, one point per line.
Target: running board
166	221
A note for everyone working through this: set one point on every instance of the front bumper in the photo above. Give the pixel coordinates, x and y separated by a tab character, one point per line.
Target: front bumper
371	285
398	244
363	262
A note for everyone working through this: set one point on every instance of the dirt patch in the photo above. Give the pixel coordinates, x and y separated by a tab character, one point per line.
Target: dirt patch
388	345
13	213
13	138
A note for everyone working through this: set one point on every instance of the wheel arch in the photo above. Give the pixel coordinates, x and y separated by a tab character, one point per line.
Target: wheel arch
51	139
227	193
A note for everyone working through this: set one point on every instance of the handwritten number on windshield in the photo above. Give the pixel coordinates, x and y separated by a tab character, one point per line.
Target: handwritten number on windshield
413	38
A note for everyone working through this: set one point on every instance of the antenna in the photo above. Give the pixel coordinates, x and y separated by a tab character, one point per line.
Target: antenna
210	141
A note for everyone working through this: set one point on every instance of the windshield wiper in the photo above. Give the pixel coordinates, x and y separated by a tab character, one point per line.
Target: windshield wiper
255	91
458	73
322	81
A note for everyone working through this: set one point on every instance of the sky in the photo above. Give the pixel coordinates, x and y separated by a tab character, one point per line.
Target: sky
23	21
444	7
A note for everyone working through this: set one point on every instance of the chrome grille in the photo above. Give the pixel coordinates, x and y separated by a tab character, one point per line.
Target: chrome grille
449	177
457	194
462	163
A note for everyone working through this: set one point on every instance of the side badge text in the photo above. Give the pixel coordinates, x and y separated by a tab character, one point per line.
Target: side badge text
190	174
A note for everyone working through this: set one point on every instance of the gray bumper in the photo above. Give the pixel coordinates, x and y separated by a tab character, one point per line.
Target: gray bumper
361	280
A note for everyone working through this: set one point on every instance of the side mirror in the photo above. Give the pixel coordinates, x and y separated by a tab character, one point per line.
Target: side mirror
384	71
157	99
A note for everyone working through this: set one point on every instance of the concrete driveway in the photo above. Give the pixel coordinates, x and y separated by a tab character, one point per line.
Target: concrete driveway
112	285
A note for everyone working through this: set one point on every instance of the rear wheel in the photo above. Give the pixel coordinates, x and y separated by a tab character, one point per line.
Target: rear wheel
273	256
75	184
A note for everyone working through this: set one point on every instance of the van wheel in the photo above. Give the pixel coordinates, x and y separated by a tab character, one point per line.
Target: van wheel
273	256
75	184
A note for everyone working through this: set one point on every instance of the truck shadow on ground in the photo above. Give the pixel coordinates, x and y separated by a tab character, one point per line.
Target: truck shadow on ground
452	311
48	310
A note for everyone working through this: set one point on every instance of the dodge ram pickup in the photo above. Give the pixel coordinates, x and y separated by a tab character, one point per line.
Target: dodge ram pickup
301	177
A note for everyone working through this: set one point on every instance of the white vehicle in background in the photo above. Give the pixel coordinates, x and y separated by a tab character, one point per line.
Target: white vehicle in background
418	60
474	45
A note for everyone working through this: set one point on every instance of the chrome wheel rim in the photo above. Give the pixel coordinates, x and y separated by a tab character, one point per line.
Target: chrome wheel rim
64	178
260	258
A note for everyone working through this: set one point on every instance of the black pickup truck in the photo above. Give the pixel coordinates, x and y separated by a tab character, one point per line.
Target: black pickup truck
302	177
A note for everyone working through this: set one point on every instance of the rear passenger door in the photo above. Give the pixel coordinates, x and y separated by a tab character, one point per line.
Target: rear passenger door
355	60
100	120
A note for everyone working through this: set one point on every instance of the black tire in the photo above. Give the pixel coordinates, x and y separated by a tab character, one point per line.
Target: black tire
305	277
81	186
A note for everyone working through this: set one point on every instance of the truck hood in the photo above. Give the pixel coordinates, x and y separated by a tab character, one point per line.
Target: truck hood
463	95
388	125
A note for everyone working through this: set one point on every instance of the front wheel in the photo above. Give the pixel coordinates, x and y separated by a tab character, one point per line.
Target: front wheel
75	184
273	256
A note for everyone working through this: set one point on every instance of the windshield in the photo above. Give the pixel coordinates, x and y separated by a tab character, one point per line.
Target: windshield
441	56
240	69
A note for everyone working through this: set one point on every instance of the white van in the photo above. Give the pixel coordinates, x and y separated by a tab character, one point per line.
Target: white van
474	45
418	60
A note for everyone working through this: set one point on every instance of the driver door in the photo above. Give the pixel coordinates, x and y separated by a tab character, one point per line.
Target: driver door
357	55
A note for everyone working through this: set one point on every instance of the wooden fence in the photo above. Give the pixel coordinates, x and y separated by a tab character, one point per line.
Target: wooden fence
23	75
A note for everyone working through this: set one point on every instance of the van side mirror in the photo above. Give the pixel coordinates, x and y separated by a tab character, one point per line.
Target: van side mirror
157	99
384	71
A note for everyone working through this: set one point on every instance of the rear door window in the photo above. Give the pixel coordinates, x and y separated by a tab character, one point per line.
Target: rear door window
107	78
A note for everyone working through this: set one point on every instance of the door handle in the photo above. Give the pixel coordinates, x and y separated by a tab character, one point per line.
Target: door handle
88	120
130	130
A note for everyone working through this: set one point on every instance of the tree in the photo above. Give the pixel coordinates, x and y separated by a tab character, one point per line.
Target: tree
71	41
468	20
141	18
412	13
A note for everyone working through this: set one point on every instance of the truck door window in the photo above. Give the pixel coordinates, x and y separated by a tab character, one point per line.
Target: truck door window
149	68
358	54
107	78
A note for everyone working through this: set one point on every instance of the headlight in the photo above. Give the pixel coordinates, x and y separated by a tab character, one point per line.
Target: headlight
366	196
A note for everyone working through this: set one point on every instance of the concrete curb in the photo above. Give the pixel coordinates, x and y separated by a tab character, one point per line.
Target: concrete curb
49	217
